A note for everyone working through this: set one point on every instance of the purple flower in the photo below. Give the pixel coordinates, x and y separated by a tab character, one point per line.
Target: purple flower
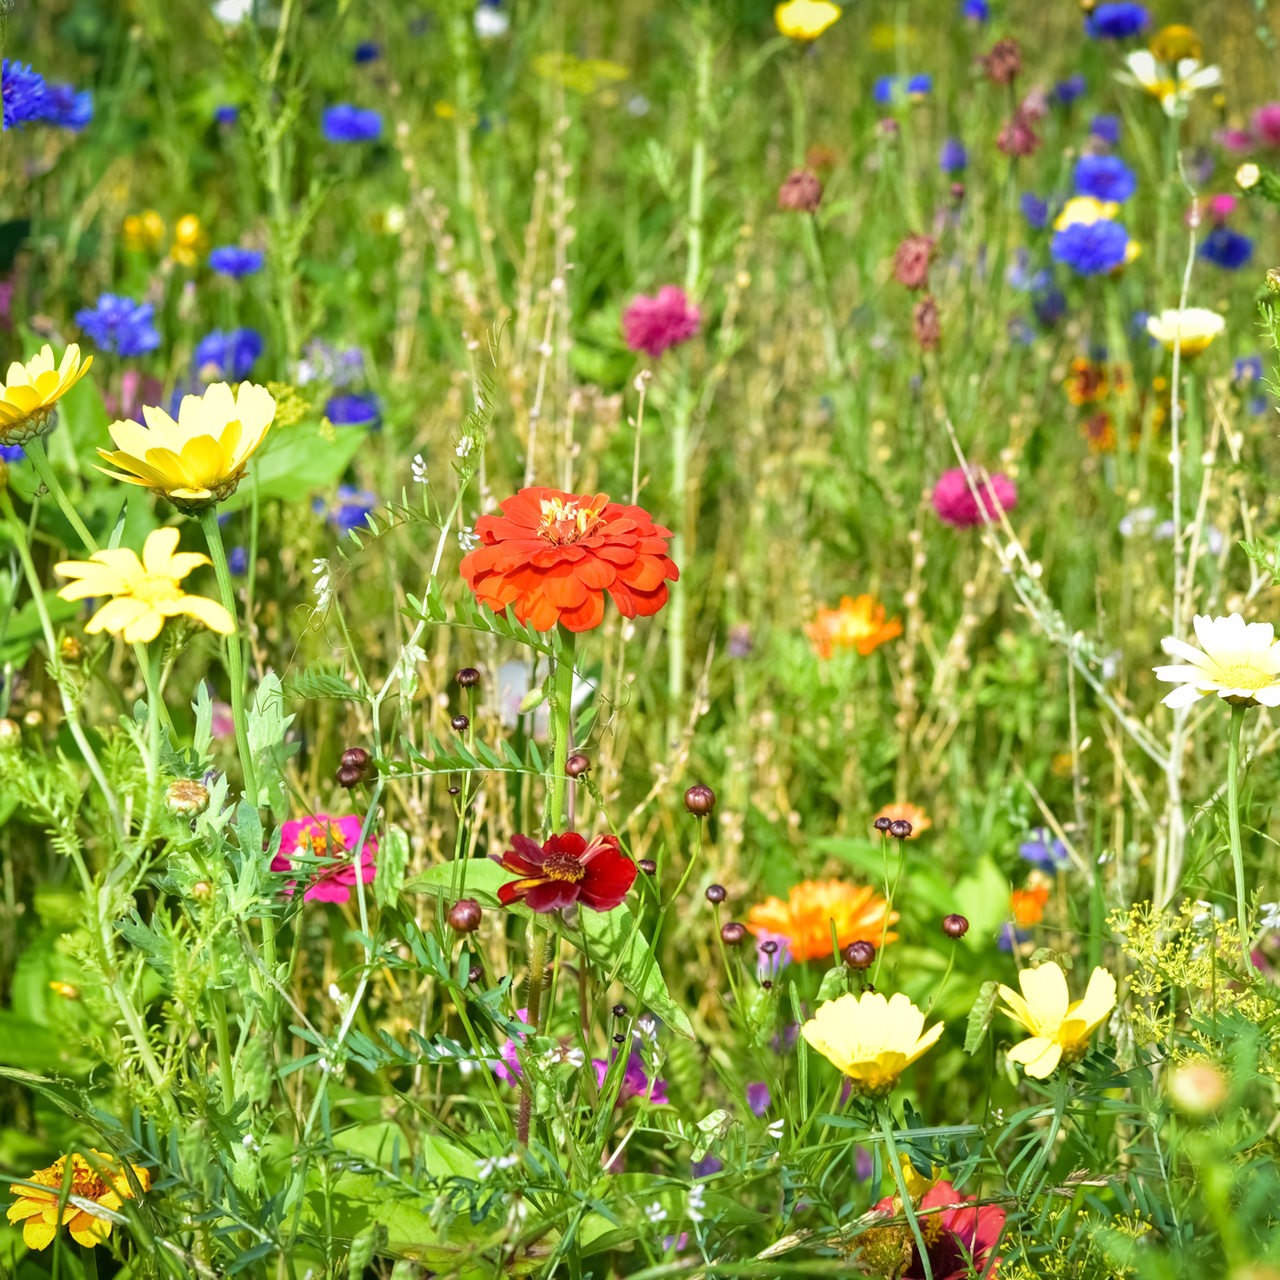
351	409
1116	21
348	509
231	260
346	123
953	157
228	356
367	51
652	324
67	107
507	1068
635	1083
1091	248
889	90
1246	369
1034	210
121	325
24	94
975	10
1226	248
1105	178
1009	937
1067	91
758	1097
238	561
1050	305
1043	850
1106	128
226	114
771	962
707	1167
10	452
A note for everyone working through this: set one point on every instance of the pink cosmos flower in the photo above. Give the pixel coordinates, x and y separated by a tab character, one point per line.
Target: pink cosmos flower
1266	124
955	503
1217	208
1237	140
653	324
331	840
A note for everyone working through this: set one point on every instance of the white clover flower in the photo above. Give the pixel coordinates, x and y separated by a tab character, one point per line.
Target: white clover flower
1240	662
655	1213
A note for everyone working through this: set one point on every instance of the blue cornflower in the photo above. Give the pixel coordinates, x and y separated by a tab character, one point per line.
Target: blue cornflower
1050	305
232	260
67	107
10	452
348	508
238	561
350	409
1043	850
121	325
1035	210
1067	91
1247	369
1091	248
889	90
953	158
1116	21
1021	276
1105	178
975	10
1106	128
24	93
345	123
1010	937
1226	248
226	114
230	355
367	51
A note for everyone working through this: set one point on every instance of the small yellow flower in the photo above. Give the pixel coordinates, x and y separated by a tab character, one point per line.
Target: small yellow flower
104	1182
1191	330
199	459
870	1039
1084	210
189	240
1248	176
143	592
31	390
805	19
1174	43
1240	662
143	231
1060	1030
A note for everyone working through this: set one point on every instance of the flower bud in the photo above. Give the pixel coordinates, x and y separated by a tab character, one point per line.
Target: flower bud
186	798
732	933
349	776
467	678
955	926
716	894
900	829
1198	1088
860	955
1003	63
882	824
460	724
1273	281
577	764
928	328
619	1010
911	261
65	989
648	866
465	915
71	650
699	800
475	973
356	758
801	192
10	734
201	890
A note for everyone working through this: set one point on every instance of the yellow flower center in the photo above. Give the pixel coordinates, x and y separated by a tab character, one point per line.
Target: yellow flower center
155	589
564	523
1242	675
564	866
325	843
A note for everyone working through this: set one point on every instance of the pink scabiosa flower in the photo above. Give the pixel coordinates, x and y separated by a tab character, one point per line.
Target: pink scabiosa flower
667	319
331	841
1266	125
955	503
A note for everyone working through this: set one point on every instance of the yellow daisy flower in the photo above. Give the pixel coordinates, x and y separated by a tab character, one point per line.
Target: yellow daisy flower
143	592
1084	210
1192	329
870	1039
31	390
200	458
104	1182
805	19
1060	1030
189	241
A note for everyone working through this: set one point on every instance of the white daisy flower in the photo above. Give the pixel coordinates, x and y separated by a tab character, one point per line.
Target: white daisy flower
1175	85
1238	660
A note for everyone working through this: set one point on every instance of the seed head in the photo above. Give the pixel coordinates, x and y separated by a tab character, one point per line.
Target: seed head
732	933
467	678
460	724
801	192
577	764
882	825
900	829
186	798
716	894
648	866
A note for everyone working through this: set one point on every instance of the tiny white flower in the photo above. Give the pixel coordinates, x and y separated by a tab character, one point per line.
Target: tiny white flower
468	539
1240	662
647	1025
775	1130
696	1202
465	445
419	469
491	21
655	1213
1269	915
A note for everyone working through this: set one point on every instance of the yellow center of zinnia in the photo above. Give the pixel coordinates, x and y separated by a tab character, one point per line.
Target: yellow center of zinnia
325	842
564	523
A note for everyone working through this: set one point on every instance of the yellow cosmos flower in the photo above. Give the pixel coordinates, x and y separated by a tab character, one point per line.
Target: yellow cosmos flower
870	1039
805	19
104	1182
143	231
31	390
143	592
1190	330
199	459
1084	211
1060	1030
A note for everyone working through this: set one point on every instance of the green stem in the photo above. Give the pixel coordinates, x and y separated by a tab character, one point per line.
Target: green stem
89	1262
151	674
885	1118
1233	823
222	1039
39	459
560	729
235	650
533	1015
1055	1127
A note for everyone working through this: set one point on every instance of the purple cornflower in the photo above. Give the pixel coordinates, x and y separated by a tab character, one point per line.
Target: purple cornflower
231	260
1067	91
121	325
67	107
1043	850
953	157
347	123
1034	210
1106	128
228	356
1226	248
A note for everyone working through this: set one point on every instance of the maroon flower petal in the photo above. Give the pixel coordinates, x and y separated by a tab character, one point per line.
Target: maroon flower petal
552	895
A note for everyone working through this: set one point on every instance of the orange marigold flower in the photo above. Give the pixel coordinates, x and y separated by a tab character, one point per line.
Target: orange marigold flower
104	1182
912	813
1028	904
812	906
551	556
857	624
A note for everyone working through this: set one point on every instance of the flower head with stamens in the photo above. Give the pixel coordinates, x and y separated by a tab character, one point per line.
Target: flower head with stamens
1239	661
199	459
1060	1029
100	1179
551	556
30	392
870	1039
567	869
859	624
144	592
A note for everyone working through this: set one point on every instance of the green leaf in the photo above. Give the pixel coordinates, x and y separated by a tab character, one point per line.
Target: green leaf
393	858
980	1015
609	938
295	460
268	726
322	681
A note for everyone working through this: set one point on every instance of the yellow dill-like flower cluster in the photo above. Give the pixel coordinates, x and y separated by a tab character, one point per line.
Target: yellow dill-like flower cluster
291	408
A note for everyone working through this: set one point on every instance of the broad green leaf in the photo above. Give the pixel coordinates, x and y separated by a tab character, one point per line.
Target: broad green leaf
294	461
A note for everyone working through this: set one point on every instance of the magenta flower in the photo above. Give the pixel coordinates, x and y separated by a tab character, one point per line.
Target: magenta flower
635	1083
1266	125
507	1068
653	324
954	501
331	841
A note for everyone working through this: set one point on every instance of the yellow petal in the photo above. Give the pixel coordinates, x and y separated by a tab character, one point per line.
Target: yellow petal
1045	990
158	550
145	628
1099	999
116	615
1038	1055
210	612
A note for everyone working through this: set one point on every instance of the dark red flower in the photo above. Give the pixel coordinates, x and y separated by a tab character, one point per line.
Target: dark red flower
566	870
959	1240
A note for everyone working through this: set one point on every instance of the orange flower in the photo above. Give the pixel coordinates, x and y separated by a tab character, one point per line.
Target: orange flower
912	813
551	556
805	919
857	624
1027	904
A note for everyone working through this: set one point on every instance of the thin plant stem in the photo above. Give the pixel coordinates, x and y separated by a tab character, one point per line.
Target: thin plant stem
533	1014
1233	824
39	460
885	1118
222	1039
235	649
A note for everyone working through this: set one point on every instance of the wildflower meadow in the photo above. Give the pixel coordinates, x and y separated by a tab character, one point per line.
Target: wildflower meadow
639	639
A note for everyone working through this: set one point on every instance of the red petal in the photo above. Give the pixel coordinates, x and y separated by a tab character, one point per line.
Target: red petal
610	875
552	895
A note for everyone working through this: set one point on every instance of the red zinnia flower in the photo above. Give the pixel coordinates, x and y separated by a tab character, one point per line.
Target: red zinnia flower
552	555
959	1240
566	870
